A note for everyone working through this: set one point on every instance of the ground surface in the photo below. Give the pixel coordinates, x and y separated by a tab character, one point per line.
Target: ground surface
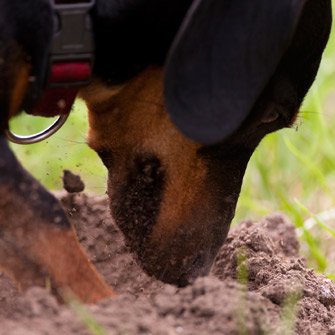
276	295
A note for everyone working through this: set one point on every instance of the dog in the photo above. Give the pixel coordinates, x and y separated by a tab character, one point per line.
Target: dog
182	93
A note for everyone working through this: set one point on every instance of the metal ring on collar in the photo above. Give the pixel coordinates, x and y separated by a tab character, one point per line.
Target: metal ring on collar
30	139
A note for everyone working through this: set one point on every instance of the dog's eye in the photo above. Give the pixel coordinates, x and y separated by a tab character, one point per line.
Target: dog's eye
270	116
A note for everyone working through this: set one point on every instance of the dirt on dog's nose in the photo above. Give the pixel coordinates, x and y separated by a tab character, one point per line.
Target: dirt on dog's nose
181	250
174	217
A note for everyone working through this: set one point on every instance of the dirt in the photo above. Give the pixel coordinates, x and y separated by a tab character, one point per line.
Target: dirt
72	182
258	285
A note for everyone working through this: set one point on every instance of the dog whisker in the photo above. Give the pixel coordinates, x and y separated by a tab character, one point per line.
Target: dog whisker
163	273
67	140
316	113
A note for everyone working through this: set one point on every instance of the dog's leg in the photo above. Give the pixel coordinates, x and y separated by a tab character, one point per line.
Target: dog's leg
37	242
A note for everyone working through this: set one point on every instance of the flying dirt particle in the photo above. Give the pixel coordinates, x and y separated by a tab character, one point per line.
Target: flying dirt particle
72	183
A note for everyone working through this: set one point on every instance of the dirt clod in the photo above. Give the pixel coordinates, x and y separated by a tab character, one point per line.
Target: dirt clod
280	295
72	183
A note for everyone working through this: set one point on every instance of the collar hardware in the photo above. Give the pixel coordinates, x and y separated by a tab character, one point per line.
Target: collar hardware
31	139
70	65
72	45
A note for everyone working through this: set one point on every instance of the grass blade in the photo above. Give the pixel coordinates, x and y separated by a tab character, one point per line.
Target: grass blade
319	222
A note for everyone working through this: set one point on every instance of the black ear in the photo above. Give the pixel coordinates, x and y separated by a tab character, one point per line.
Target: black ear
222	58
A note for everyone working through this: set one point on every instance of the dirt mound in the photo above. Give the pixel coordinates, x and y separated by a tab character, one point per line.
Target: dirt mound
259	285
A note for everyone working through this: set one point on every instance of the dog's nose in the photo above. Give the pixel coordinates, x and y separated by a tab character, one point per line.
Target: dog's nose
198	267
188	252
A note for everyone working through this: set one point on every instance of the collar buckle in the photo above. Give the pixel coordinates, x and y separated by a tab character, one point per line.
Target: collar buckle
72	50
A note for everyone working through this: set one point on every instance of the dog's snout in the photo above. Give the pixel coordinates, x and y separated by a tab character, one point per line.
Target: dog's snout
168	194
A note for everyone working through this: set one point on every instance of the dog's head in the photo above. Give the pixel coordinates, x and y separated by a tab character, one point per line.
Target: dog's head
172	197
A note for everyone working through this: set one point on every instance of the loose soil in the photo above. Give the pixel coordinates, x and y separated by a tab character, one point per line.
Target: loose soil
72	182
259	285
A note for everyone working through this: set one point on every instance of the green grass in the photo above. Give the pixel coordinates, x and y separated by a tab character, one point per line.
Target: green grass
81	311
242	279
289	311
299	163
296	163
67	149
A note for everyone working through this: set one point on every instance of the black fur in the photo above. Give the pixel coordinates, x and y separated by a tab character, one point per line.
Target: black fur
227	52
24	25
129	35
139	33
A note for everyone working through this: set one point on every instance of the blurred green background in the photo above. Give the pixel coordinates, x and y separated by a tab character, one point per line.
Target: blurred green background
291	166
67	149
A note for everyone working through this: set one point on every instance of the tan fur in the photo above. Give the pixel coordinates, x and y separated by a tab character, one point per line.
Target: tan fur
68	266
134	119
131	122
20	87
32	251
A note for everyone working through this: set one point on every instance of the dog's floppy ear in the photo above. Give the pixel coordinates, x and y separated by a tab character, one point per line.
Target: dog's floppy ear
221	60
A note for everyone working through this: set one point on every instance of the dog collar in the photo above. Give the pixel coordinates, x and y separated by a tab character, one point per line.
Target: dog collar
70	64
